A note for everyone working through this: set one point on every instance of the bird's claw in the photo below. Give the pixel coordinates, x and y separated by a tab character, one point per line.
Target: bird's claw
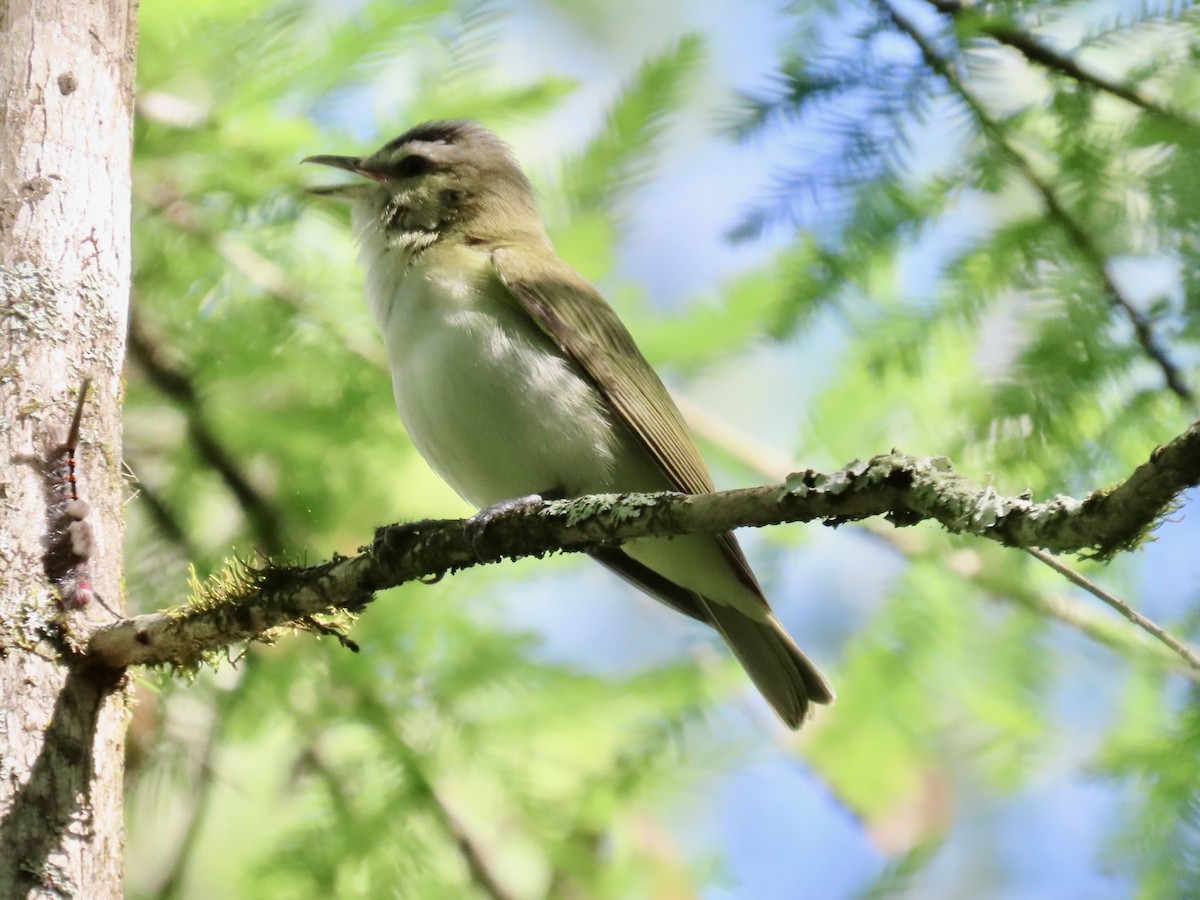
477	525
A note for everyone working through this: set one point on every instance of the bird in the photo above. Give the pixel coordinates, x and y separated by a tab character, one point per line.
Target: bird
514	378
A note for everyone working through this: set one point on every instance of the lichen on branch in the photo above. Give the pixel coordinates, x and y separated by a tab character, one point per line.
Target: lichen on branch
904	489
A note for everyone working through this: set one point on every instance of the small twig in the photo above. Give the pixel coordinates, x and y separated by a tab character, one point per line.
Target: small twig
749	451
1186	653
164	518
319	627
1143	330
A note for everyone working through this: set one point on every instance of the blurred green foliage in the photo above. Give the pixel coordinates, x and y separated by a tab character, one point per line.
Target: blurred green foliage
987	242
1030	169
443	755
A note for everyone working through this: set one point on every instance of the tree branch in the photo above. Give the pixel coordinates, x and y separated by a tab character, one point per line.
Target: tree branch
250	601
264	519
1083	241
475	857
1148	643
1041	53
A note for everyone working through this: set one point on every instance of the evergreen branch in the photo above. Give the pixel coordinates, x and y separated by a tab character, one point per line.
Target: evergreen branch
177	385
173	883
620	156
1076	233
160	513
474	856
265	274
1040	53
904	489
1143	330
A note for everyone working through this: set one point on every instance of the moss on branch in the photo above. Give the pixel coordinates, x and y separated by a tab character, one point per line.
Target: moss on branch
252	600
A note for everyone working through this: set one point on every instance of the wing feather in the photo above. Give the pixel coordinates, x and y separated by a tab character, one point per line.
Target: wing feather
585	327
574	315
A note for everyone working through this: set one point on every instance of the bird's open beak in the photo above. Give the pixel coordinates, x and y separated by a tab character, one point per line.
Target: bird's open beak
355	164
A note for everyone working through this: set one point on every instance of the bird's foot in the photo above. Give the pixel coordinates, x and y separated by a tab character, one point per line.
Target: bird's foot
478	524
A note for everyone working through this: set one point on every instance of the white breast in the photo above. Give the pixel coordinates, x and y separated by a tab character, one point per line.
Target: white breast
487	399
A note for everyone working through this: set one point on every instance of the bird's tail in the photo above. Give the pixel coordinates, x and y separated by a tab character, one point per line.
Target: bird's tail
779	669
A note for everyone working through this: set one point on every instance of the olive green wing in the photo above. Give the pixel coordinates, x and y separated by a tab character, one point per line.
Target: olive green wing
572	312
585	327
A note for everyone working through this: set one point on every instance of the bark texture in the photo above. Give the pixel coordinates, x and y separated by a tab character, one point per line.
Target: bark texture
66	93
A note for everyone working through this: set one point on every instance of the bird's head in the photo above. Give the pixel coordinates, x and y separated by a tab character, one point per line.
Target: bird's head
438	179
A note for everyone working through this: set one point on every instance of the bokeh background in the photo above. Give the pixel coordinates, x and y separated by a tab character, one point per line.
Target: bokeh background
835	228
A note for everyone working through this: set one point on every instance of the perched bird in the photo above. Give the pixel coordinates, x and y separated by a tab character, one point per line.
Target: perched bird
513	377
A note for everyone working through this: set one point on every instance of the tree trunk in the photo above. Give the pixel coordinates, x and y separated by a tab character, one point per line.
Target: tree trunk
66	95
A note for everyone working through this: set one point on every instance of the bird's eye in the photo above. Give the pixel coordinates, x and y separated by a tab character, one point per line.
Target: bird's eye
413	165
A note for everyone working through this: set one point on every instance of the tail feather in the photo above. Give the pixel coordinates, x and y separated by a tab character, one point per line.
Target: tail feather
782	673
779	669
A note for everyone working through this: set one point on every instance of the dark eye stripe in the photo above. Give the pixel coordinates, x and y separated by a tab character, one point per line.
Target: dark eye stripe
413	165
